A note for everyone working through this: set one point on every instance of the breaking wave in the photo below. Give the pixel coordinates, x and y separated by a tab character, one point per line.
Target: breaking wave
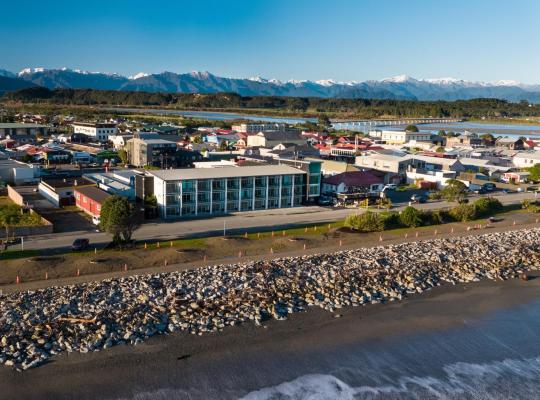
507	379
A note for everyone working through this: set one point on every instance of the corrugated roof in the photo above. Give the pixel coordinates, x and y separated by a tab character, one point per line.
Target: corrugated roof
228	172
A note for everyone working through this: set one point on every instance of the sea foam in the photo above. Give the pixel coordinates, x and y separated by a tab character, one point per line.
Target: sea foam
507	379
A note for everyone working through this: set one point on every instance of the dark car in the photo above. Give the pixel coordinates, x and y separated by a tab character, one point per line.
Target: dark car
418	198
80	244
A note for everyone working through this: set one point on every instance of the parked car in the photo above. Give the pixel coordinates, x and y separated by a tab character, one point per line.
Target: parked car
80	244
326	201
390	186
418	198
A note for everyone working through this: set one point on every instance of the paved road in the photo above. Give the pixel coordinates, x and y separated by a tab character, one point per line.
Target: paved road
239	223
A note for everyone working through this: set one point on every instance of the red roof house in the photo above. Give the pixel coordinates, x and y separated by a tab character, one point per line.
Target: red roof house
352	182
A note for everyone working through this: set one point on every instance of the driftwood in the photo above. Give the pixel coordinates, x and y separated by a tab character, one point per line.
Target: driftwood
78	320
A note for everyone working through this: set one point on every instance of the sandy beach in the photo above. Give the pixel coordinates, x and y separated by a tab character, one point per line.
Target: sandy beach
238	360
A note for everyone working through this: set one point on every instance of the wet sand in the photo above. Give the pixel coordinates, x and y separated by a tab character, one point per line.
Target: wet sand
241	359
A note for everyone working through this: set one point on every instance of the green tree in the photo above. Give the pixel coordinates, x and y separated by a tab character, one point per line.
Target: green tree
365	222
411	217
223	145
150	206
534	172
455	190
411	128
487	206
123	155
324	121
118	217
463	212
440	149
10	215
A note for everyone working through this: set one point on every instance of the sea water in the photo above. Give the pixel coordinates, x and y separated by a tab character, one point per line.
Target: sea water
493	357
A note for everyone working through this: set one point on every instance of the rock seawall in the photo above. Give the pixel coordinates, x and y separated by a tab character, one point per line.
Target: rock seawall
35	325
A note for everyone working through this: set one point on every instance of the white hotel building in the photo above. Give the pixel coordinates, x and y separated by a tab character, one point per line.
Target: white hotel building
206	191
98	131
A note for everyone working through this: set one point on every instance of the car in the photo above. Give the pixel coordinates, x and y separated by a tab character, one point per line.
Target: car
390	186
80	244
418	198
326	202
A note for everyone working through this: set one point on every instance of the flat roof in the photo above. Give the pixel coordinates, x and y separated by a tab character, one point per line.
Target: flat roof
15	125
224	172
94	193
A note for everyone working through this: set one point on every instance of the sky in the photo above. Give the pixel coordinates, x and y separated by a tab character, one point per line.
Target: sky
344	40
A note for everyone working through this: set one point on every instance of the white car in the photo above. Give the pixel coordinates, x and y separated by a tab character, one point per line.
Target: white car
390	186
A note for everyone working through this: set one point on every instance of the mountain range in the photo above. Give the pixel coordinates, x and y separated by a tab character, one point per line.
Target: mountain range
399	88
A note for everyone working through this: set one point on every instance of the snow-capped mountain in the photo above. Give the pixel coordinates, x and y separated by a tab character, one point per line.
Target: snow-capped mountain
397	87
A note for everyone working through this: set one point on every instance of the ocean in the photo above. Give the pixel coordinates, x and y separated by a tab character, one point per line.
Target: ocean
494	357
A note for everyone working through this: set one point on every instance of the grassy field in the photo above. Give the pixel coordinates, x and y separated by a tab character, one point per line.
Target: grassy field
189	253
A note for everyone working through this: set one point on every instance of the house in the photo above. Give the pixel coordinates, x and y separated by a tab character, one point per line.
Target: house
515	177
352	182
400	137
390	163
434	170
90	199
510	143
60	192
466	139
209	191
119	141
272	138
98	131
526	159
151	150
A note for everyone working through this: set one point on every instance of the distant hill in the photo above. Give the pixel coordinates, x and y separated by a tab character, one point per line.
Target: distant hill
12	84
397	88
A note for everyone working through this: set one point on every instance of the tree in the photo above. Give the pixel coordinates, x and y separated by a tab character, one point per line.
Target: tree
324	121
463	212
440	149
411	217
123	155
150	206
455	190
487	206
534	172
223	145
10	215
411	128
366	222
118	217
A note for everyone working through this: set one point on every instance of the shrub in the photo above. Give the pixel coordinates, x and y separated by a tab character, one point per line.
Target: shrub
366	222
435	195
487	206
411	217
463	212
390	220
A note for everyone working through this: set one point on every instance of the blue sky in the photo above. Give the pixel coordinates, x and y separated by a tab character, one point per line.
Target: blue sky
358	40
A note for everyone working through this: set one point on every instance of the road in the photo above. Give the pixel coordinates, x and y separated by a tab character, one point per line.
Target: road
234	224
